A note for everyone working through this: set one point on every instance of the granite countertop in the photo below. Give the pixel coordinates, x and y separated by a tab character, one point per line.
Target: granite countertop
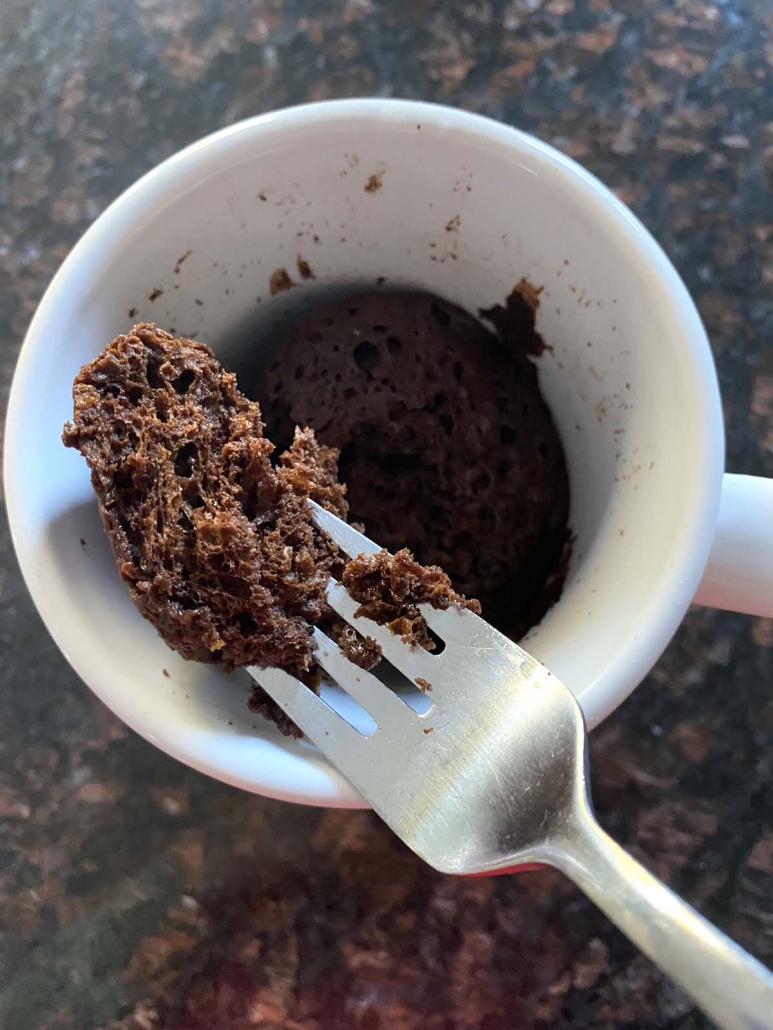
137	894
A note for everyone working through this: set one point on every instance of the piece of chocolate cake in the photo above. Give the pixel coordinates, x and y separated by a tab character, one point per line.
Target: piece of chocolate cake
214	542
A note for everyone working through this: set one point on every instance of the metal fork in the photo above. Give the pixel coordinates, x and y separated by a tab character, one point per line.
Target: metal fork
495	775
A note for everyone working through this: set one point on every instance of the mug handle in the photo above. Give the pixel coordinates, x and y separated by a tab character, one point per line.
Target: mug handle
739	573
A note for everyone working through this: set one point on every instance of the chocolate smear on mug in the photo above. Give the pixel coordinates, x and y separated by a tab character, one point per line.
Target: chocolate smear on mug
515	322
280	281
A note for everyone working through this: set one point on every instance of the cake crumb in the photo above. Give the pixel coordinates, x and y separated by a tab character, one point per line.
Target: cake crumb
280	281
304	269
390	587
375	182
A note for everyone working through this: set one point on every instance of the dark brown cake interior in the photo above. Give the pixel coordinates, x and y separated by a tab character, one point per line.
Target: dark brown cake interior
446	444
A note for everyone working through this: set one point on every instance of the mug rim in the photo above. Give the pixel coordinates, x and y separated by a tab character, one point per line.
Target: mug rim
206	156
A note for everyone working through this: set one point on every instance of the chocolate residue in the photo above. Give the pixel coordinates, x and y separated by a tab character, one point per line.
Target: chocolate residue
304	269
422	684
453	224
157	292
181	260
515	323
132	312
280	281
374	183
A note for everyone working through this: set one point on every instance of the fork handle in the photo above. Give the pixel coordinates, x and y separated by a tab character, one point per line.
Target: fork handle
732	987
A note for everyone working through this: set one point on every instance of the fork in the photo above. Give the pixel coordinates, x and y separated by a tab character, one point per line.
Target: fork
494	775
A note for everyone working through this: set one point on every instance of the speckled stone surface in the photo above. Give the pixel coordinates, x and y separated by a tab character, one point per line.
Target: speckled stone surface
135	893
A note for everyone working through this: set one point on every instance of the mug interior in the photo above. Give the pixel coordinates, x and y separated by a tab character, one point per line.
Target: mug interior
419	196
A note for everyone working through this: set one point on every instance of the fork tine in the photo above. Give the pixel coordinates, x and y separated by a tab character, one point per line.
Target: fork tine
413	662
327	729
351	542
375	697
454	624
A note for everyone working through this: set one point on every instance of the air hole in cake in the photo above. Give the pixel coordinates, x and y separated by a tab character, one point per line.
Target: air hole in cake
123	480
367	356
192	495
155	380
185	460
394	345
183	382
246	622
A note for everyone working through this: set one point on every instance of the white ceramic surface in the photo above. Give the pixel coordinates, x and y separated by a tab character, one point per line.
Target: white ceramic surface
464	207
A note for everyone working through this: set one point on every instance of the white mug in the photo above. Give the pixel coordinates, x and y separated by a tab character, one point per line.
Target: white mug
427	197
